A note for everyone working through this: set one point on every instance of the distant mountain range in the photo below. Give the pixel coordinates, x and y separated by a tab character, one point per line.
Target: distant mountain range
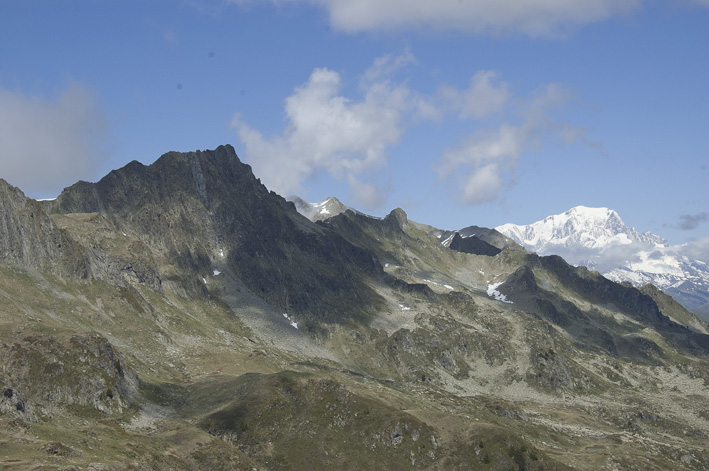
599	239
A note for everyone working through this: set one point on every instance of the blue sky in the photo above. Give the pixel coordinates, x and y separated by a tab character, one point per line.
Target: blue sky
475	112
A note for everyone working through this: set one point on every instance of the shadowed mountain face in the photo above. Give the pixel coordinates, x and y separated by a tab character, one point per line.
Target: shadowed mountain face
181	316
204	210
472	245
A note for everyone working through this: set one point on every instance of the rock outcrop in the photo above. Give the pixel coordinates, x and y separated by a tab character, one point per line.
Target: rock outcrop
30	239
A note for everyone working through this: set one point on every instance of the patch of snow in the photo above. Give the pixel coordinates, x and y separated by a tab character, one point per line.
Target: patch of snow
447	242
217	272
493	293
449	287
292	323
221	253
204	280
404	308
47	199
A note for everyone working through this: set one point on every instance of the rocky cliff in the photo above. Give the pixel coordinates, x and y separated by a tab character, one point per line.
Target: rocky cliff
205	212
30	239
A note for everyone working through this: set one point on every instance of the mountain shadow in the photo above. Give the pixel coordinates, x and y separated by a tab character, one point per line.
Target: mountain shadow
203	209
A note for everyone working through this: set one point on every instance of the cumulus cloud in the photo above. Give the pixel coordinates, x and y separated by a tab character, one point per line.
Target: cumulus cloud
529	17
689	222
329	132
346	139
47	144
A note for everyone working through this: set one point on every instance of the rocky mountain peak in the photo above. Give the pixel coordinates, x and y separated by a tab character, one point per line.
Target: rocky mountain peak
397	218
204	212
325	209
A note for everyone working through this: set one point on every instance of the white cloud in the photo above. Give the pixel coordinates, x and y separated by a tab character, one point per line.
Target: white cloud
696	250
47	144
328	132
384	66
344	138
484	97
483	184
530	17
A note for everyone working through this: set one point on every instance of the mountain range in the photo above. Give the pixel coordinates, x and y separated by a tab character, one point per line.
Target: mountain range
180	315
598	239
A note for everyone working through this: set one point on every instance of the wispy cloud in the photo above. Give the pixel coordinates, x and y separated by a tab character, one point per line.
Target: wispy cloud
170	37
480	163
484	163
486	96
701	3
47	144
697	250
528	17
688	222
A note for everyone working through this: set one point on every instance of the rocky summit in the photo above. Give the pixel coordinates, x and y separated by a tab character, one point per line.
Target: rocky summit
181	316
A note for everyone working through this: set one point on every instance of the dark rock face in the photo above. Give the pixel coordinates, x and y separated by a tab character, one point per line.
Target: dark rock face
601	290
30	239
490	236
203	209
473	245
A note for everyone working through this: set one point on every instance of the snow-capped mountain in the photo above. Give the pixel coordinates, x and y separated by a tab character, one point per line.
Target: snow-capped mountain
325	209
590	228
599	239
319	211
